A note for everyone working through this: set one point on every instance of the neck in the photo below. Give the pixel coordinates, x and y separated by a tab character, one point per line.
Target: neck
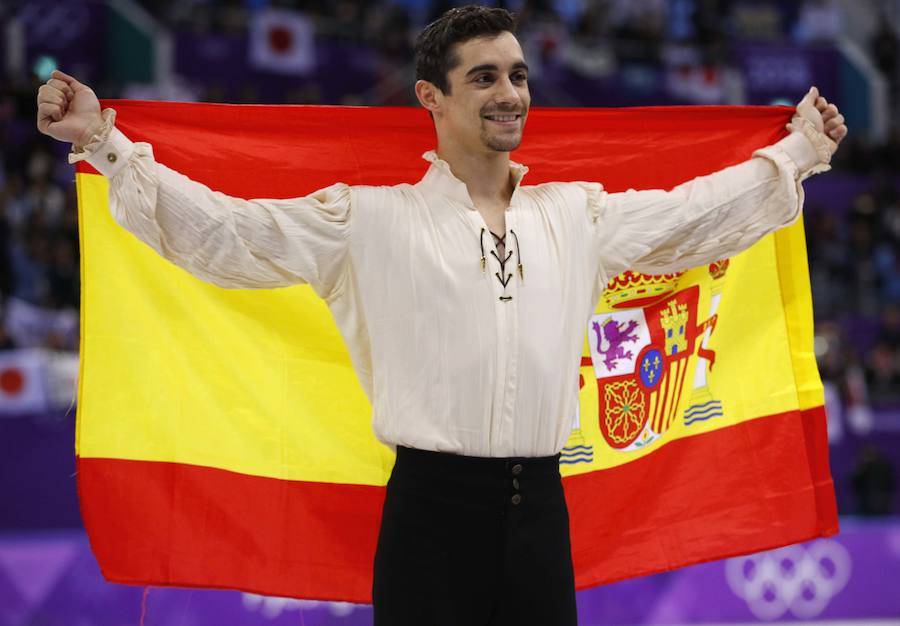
486	174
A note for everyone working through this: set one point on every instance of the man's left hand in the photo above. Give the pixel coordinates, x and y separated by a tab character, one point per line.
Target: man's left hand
822	115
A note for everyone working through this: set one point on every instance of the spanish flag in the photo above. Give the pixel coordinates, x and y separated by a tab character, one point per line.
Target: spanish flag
224	441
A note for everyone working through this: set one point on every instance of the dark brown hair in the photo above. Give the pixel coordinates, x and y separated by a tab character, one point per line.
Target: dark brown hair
434	45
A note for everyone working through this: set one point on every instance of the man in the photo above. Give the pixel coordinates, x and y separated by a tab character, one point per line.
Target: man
446	326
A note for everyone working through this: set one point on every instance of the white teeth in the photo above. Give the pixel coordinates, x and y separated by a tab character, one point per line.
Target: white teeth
502	118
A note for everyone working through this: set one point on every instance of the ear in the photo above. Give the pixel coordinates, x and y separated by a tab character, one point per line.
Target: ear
429	96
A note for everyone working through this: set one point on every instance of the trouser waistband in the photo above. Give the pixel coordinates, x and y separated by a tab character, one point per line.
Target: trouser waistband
461	465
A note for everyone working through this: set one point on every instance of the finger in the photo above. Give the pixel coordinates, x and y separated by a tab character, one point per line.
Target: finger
50	94
810	97
54	98
839	133
61	85
51	111
69	80
834	123
821	103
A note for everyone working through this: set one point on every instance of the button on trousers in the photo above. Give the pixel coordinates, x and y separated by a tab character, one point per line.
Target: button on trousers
470	541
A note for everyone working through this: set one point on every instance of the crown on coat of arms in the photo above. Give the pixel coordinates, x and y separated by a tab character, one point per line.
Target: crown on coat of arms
633	289
717	270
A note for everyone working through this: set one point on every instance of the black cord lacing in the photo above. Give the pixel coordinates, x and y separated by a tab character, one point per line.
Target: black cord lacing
483	258
519	265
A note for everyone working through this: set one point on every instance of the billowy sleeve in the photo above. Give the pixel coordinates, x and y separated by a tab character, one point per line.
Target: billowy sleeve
227	241
705	219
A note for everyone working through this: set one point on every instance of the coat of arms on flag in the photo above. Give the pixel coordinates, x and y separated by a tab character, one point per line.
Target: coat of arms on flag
641	348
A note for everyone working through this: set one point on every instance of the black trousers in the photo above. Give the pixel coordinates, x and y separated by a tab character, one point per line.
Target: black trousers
470	541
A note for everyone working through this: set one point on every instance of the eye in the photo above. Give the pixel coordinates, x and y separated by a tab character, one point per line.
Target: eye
484	79
519	77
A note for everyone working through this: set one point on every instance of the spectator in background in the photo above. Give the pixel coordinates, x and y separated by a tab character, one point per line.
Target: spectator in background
890	325
17	208
39	270
873	482
44	198
30	257
350	21
885	48
63	275
829	263
887	270
391	28
639	27
883	375
820	21
6	342
589	50
760	20
864	280
5	240
709	19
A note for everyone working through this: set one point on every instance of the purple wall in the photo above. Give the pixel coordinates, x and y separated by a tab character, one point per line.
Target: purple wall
37	472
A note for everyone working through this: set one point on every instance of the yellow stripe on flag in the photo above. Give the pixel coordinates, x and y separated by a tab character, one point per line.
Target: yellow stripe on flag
232	379
275	371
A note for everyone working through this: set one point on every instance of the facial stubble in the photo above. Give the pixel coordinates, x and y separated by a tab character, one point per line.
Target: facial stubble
503	143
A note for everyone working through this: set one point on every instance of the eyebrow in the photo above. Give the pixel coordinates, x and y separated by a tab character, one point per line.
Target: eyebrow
490	67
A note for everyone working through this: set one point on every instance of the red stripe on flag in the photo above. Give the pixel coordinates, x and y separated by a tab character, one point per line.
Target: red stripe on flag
285	151
195	526
156	523
696	504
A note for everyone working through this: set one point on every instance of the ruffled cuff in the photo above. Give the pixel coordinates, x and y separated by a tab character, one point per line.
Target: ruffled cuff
108	150
83	152
824	146
809	149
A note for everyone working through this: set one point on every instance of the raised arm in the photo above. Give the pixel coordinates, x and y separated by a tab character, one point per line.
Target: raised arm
230	242
716	216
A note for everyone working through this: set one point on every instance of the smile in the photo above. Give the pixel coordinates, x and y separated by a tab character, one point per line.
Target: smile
503	119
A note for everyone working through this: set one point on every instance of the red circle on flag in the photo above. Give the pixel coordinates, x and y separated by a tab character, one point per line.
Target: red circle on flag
12	381
281	39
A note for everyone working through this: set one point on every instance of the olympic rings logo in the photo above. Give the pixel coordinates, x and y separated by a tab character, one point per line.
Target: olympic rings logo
271	607
800	579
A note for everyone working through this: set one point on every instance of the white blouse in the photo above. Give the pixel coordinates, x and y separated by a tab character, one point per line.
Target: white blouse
454	356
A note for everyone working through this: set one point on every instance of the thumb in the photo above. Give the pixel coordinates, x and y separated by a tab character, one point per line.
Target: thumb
810	98
806	108
69	80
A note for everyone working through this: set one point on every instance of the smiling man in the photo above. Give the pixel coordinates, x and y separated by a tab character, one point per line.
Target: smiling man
477	93
447	329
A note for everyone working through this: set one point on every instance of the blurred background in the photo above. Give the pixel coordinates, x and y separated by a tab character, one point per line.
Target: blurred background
584	53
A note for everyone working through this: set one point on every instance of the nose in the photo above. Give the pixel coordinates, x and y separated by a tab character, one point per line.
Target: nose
507	92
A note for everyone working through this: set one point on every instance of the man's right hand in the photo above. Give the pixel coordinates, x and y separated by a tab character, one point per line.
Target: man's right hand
68	110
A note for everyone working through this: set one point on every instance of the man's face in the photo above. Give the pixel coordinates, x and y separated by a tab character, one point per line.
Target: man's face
489	98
